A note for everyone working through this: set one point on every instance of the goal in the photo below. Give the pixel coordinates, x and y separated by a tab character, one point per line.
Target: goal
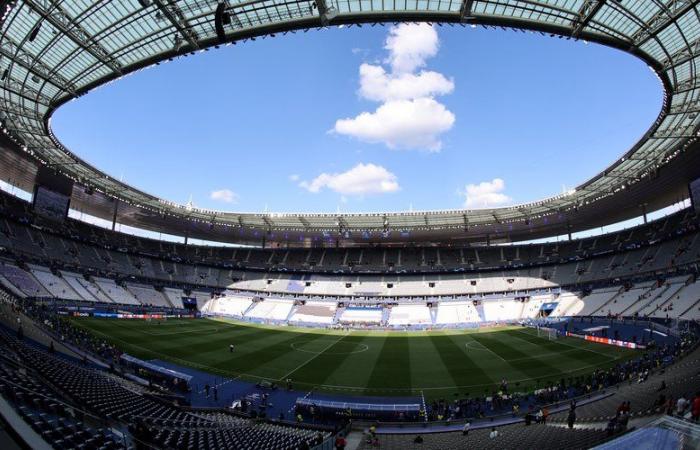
547	333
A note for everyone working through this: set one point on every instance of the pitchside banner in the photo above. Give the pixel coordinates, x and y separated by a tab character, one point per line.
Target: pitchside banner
607	341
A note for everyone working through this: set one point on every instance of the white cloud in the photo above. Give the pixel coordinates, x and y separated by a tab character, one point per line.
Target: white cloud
401	124
376	84
409	45
224	195
486	194
362	179
409	116
294	177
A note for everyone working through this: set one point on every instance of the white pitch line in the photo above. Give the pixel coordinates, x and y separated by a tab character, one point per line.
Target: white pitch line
314	357
574	346
487	349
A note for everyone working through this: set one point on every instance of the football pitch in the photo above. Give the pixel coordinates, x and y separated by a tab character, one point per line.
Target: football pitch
389	363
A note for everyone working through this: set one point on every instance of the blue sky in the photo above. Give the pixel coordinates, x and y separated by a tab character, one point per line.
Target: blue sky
370	119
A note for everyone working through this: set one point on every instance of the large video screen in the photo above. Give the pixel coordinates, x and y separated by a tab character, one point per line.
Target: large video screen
50	204
695	194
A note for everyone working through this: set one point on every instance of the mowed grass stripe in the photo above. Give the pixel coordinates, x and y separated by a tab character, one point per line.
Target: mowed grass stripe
393	367
602	349
365	362
183	344
240	337
354	371
254	349
525	363
582	357
427	367
249	357
459	365
320	365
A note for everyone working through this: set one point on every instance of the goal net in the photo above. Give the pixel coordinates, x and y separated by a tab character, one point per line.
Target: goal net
547	333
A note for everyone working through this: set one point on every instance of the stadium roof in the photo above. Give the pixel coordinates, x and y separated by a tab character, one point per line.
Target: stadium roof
53	51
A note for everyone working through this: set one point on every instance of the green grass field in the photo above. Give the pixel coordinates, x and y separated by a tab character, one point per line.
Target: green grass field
436	363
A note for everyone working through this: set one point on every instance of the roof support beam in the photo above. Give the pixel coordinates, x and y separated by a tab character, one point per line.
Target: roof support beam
176	17
588	10
466	9
665	17
58	18
33	65
327	13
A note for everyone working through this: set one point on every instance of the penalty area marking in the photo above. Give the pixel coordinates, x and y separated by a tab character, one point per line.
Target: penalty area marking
313	357
363	348
483	348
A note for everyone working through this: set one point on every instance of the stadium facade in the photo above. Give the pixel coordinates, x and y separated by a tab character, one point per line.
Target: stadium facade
412	271
57	51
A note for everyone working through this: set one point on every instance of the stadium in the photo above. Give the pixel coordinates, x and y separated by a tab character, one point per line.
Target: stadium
500	327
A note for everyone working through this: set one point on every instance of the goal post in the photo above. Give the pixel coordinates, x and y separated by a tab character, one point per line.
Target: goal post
547	333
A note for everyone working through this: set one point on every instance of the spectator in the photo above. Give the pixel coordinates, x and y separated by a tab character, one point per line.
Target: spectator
571	418
340	442
681	405
696	407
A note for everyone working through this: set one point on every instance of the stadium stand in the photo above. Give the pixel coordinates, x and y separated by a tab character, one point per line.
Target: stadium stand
73	281
55	285
233	306
361	315
314	313
22	281
149	420
115	292
456	312
636	289
404	315
271	309
147	295
174	296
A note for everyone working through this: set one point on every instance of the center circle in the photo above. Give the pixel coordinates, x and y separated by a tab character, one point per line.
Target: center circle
318	347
